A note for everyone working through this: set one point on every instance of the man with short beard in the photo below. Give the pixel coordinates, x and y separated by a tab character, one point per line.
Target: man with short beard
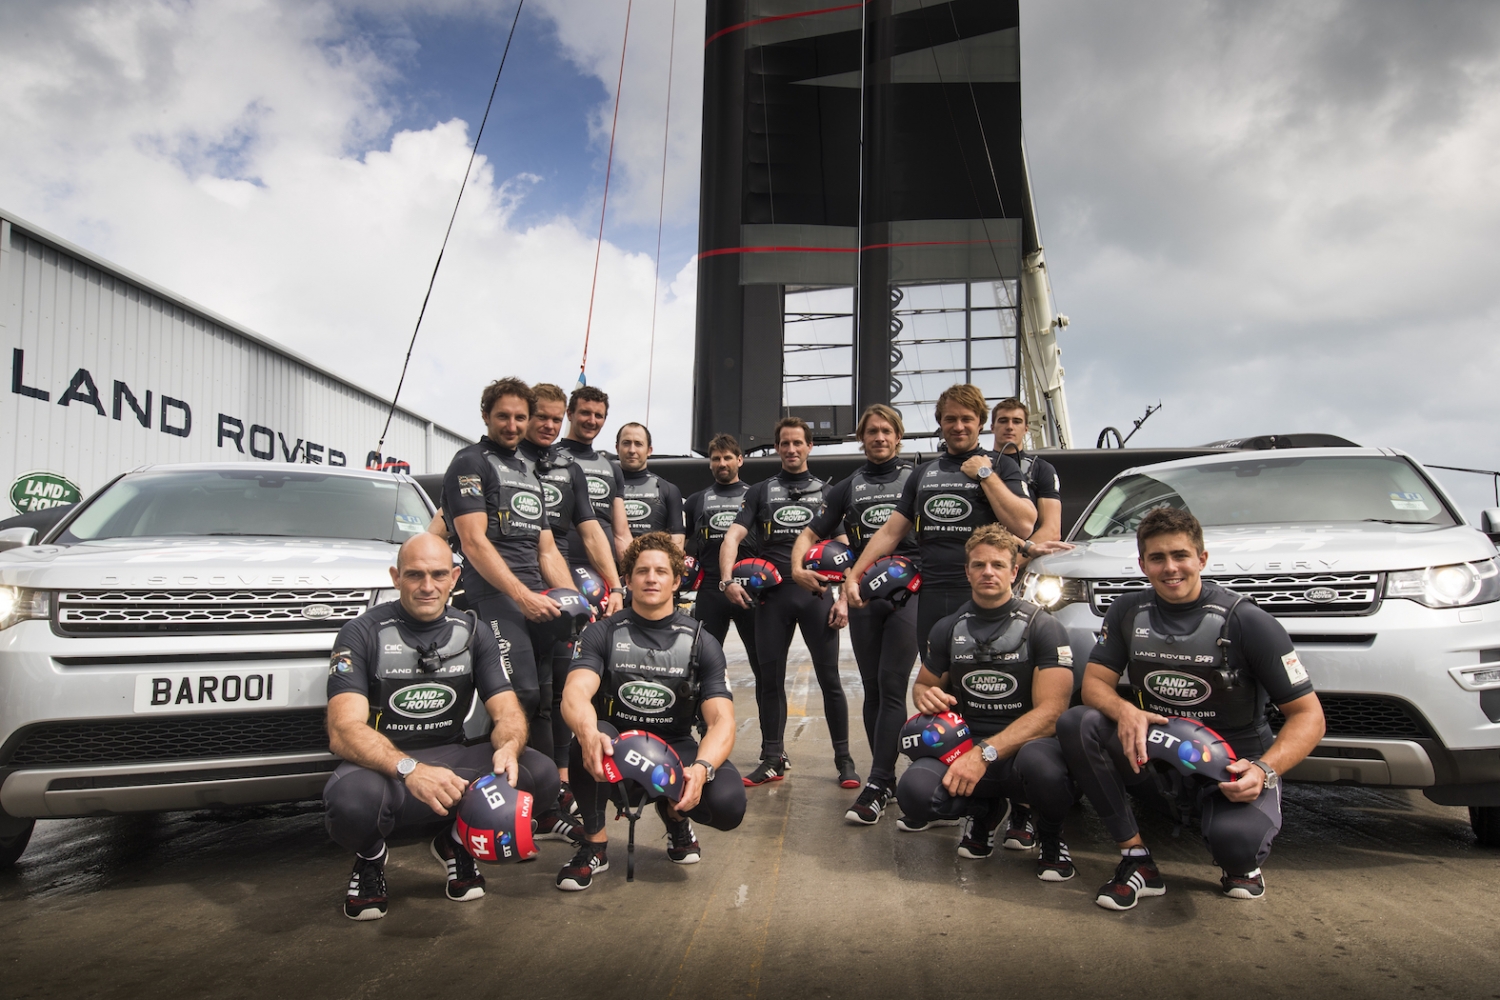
588	408
651	503
709	513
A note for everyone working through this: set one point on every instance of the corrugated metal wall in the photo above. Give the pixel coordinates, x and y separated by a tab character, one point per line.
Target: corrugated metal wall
108	372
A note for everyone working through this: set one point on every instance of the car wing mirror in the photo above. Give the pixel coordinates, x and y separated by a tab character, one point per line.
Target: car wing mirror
15	538
1489	523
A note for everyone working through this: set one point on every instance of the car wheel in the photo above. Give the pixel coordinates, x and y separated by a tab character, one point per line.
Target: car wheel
14	835
1486	823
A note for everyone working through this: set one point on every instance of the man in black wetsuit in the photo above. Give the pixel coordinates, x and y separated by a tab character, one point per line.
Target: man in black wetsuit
401	679
1193	649
588	408
777	510
1008	422
1006	667
709	513
651	668
651	503
884	635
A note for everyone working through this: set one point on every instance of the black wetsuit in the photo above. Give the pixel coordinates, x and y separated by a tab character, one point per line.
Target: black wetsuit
1042	481
419	703
709	513
602	478
651	503
1176	665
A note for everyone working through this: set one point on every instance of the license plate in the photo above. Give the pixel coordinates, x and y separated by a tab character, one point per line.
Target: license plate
211	690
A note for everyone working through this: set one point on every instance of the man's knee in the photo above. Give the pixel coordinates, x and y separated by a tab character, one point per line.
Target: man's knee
729	802
353	803
1075	723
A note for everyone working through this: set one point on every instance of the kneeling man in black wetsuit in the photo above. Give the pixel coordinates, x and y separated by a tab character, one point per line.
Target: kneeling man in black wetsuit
401	681
1195	650
1005	666
654	669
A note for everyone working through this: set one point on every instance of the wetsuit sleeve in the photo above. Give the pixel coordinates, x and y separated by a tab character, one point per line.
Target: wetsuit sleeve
907	505
939	643
1112	650
1049	643
1044	481
619	478
592	648
583	507
692	512
713	675
1269	654
465	484
350	663
676	522
1007	469
489	666
747	517
826	521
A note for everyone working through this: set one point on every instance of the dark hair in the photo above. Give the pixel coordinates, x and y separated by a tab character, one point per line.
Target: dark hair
549	392
993	534
1168	521
1012	403
633	423
725	442
786	422
507	386
653	541
588	394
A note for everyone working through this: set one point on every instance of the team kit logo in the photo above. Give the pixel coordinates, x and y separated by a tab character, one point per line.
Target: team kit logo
598	488
551	495
423	701
526	505
947	507
877	515
990	685
647	696
637	510
792	516
722	520
1177	688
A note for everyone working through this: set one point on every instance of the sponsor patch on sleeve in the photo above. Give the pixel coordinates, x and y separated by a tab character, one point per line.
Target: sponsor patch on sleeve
341	662
1295	672
468	486
1064	656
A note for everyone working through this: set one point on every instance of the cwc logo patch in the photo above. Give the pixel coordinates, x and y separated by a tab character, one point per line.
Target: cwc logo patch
1177	688
598	488
551	495
990	685
647	696
722	520
423	701
637	510
526	505
947	507
877	515
792	516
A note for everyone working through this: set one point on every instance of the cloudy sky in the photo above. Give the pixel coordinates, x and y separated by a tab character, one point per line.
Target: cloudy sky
1278	216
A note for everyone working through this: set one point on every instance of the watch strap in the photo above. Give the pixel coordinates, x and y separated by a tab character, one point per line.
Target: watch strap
707	767
1272	778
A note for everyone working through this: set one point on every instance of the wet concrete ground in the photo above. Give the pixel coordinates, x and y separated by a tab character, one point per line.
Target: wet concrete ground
1370	894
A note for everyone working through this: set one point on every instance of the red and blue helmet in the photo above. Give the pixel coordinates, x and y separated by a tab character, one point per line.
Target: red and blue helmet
942	737
645	759
828	560
1191	748
692	575
493	821
577	612
756	575
894	578
592	586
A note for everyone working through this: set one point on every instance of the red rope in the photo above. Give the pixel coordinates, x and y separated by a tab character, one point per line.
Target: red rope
608	166
661	209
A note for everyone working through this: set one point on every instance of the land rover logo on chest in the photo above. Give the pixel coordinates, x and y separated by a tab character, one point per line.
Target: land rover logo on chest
877	515
947	507
722	520
551	495
989	685
598	488
423	701
526	505
647	696
1177	688
792	516
637	510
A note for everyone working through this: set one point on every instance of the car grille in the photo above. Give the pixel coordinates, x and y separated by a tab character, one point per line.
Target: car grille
1283	595
204	612
145	741
1352	716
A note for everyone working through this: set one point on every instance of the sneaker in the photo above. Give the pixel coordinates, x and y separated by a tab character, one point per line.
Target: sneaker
870	804
848	776
978	840
1055	864
1020	832
1134	877
464	881
682	844
906	825
366	898
770	769
1250	886
555	826
567	805
578	874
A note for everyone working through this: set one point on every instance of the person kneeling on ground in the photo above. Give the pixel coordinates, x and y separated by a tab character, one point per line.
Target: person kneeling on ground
402	678
1006	667
654	669
1196	650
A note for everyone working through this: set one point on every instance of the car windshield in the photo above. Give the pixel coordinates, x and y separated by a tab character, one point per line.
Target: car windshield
1273	491
252	502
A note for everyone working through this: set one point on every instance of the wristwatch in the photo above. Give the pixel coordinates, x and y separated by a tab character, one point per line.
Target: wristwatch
983	473
1025	546
404	767
989	753
707	767
1272	778
724	585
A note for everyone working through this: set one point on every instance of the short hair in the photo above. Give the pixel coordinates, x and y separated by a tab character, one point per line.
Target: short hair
588	394
653	541
786	422
965	397
625	427
992	534
725	442
1009	403
886	413
508	386
549	392
1168	521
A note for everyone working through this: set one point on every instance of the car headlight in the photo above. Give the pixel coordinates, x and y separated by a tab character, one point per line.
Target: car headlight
384	596
1052	592
1451	586
19	604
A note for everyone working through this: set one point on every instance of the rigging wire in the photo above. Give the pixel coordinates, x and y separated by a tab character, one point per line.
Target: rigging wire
473	152
608	167
661	209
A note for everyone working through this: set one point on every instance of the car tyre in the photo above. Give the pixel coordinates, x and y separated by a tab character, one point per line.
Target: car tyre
1486	823
14	835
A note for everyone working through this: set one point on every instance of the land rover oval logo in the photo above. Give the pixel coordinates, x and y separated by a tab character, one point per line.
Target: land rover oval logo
647	696
1322	595
1177	688
877	515
317	612
526	505
722	520
792	516
423	701
40	490
989	685
947	507
637	510
551	495
598	488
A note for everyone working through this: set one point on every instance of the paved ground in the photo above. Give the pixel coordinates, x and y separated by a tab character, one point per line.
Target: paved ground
1370	895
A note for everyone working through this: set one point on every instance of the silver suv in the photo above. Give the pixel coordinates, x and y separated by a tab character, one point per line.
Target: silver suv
1392	600
166	646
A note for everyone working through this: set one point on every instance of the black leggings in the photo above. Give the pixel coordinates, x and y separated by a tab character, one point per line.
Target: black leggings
1238	834
364	806
783	609
885	647
933	604
523	645
716	611
721	806
1036	775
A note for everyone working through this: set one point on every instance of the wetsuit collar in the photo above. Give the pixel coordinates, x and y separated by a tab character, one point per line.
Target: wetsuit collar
577	447
995	614
531	449
794	477
498	449
873	469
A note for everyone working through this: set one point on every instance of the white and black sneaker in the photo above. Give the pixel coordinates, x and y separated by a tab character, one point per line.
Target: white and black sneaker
1055	864
1020	832
366	898
770	769
871	803
464	881
978	839
682	843
556	826
588	861
906	825
1251	885
1135	876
